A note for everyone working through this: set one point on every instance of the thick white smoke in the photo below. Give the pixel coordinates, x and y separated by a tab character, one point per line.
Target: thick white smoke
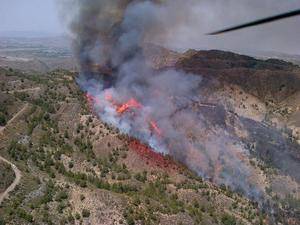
109	36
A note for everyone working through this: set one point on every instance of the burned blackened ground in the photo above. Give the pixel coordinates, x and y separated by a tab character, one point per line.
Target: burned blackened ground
273	147
264	141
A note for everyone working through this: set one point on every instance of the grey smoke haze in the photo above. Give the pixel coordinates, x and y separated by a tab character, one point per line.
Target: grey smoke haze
201	16
206	16
154	106
185	23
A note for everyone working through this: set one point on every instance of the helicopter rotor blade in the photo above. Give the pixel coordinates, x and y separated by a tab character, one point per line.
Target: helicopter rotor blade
259	22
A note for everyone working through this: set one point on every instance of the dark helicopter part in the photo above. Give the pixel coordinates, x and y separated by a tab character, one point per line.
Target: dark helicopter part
258	22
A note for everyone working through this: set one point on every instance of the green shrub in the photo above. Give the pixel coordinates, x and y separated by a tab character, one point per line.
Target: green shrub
141	177
228	220
61	196
2	119
82	197
2	222
85	213
24	215
77	216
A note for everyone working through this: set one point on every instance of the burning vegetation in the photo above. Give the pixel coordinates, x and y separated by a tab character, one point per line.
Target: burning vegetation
153	106
164	107
130	107
154	133
151	157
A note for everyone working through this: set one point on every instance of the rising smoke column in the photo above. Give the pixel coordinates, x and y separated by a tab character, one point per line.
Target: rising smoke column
153	106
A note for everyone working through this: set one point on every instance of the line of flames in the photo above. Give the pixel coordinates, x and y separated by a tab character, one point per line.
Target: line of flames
131	104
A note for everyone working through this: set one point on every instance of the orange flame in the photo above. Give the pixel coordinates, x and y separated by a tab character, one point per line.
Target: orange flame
132	103
108	97
155	127
151	157
89	97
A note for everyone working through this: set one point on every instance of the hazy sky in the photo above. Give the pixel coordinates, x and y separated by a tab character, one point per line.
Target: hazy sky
29	15
205	16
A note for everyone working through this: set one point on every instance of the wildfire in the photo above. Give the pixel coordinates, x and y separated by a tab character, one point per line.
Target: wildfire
89	97
122	108
155	128
108	96
132	103
92	99
153	158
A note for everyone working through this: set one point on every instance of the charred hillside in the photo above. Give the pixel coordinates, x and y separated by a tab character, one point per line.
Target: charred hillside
256	95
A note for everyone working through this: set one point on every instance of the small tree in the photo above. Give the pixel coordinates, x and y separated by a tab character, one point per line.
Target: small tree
228	220
2	119
85	213
77	216
66	134
2	222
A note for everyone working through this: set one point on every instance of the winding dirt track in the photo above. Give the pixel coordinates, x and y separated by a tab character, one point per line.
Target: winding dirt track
14	167
14	184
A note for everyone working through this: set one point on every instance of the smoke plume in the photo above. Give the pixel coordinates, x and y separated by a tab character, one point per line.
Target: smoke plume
155	106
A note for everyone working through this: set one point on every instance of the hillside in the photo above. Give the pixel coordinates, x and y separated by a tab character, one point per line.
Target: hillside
78	170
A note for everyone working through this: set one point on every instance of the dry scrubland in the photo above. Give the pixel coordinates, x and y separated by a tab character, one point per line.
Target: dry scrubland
78	170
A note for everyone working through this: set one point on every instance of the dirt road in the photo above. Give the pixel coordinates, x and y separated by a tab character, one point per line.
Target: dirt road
15	169
23	90
14	117
14	184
